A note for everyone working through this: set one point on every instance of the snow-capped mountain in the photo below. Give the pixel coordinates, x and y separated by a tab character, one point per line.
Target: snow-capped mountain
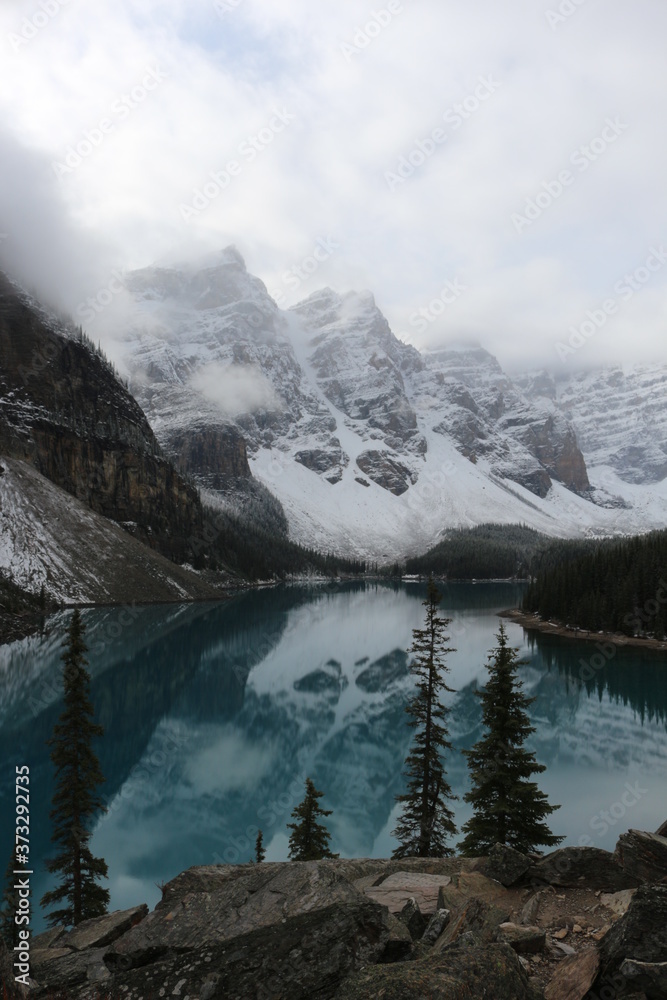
631	440
372	447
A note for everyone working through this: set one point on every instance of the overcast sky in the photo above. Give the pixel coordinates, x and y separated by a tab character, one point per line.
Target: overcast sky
404	141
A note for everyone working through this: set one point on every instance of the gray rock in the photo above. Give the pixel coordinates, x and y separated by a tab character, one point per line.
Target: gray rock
640	935
651	977
482	918
303	957
506	865
524	940
574	977
47	939
232	906
462	971
413	918
395	890
71	970
643	855
583	868
101	931
436	926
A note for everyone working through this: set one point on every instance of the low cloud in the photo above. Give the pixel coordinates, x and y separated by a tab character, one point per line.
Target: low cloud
235	389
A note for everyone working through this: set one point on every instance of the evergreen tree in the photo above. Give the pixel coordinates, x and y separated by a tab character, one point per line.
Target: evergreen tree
426	821
75	801
309	840
260	853
9	904
508	807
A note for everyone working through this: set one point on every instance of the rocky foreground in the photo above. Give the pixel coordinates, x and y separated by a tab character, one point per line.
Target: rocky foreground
577	923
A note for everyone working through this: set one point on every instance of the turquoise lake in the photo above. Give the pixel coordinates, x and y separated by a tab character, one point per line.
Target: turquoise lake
214	714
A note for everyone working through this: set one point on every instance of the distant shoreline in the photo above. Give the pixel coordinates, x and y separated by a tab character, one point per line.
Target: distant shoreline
536	624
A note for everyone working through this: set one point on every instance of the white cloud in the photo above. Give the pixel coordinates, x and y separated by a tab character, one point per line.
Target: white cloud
355	117
235	389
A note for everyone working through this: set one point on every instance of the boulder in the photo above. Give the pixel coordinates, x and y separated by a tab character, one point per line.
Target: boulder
651	977
524	940
413	918
436	926
303	957
617	902
639	935
643	855
399	945
72	969
662	830
462	971
101	931
583	868
471	885
47	939
506	865
476	916
395	891
574	976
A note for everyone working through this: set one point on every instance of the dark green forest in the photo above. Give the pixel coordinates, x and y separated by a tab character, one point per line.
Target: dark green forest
253	553
611	585
488	551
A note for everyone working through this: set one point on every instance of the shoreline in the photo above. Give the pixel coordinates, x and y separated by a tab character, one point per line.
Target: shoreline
535	624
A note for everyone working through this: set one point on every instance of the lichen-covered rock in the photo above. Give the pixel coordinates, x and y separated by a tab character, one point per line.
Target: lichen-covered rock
584	868
524	940
463	971
506	865
640	935
413	918
643	855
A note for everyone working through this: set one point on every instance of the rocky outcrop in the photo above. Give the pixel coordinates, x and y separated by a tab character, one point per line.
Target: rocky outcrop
643	855
386	471
212	455
353	929
63	409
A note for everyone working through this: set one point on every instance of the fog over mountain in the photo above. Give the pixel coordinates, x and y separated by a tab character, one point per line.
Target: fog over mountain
491	174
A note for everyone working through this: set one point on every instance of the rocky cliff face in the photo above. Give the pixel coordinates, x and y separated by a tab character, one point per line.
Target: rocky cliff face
620	417
63	410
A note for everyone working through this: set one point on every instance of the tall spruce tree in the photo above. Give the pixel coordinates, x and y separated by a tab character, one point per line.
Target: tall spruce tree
309	840
75	801
260	853
508	807
426	820
9	904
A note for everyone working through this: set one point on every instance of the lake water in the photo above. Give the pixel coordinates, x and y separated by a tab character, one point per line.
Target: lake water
214	714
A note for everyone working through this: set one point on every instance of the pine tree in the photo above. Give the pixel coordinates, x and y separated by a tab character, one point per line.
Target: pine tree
75	801
309	840
10	903
260	853
426	821
508	808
